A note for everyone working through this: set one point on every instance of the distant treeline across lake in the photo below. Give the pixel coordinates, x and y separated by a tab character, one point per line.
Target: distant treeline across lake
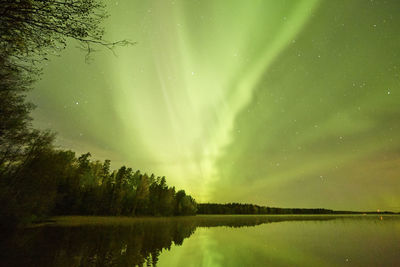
238	208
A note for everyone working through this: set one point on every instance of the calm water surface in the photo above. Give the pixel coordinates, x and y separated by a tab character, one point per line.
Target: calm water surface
207	241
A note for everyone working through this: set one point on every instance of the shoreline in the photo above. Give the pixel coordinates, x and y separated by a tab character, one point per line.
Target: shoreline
82	220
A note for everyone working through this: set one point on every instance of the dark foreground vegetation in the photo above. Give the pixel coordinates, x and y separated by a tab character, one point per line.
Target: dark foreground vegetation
54	182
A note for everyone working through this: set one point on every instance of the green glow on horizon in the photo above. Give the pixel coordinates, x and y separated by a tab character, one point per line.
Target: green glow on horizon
272	102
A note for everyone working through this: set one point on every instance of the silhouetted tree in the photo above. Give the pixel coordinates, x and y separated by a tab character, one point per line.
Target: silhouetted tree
34	29
185	205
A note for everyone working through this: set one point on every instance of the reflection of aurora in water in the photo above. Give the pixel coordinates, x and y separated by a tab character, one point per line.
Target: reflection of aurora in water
129	242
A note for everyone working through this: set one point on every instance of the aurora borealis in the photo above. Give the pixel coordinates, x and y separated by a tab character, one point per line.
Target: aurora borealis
279	103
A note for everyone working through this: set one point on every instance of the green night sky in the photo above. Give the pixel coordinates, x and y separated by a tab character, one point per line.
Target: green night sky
279	103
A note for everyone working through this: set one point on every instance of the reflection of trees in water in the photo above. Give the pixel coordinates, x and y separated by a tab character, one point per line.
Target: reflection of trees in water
253	220
139	243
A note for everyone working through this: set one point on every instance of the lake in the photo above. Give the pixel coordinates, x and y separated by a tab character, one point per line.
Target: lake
212	240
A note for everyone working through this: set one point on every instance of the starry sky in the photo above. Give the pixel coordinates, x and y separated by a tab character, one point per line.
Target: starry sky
281	103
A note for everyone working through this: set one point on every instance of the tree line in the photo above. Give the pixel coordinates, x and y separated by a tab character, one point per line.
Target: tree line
238	208
56	182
